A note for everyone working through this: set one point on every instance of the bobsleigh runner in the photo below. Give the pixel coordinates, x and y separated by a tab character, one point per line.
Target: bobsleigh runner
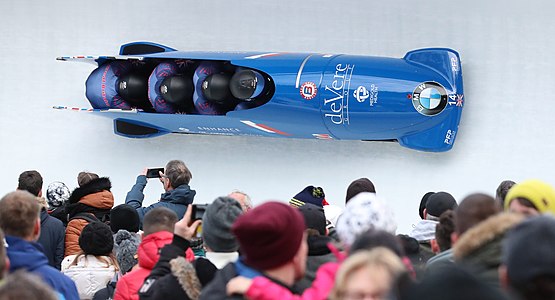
151	89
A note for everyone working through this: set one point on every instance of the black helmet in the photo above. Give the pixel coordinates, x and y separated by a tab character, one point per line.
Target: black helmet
216	87
176	89
133	88
246	84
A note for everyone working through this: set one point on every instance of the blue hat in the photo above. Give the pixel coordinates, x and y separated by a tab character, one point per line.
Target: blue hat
310	194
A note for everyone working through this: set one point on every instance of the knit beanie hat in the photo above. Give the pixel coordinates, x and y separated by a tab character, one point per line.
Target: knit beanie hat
216	224
314	217
125	246
363	212
269	235
57	194
528	249
359	186
96	239
440	202
124	216
310	194
541	194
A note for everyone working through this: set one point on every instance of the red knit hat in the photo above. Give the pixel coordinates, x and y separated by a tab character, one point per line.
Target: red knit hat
269	235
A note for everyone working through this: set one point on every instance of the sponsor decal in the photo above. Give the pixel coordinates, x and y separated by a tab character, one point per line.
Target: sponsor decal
218	129
449	137
322	136
454	64
264	128
262	55
361	94
184	129
457	100
429	98
308	90
338	97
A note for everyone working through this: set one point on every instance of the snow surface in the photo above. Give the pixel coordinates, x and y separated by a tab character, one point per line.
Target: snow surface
505	133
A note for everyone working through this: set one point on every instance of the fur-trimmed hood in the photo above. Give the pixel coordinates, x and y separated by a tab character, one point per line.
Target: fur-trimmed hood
94	186
487	231
186	275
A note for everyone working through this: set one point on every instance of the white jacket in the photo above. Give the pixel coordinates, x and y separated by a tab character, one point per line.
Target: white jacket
90	273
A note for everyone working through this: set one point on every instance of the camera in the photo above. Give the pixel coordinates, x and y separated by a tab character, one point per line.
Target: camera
198	211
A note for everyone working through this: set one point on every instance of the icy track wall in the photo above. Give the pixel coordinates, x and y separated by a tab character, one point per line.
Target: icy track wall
505	131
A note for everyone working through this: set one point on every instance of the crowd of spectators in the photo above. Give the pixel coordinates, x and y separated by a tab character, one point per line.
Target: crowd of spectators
76	245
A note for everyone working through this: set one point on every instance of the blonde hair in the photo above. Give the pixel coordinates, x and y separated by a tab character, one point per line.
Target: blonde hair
109	260
379	257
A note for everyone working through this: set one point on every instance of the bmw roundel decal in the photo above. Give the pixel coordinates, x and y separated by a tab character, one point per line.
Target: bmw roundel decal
429	98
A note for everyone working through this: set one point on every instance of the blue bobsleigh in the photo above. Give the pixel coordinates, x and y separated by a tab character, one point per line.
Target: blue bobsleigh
151	89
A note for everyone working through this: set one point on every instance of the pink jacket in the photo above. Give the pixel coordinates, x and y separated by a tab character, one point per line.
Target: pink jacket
263	289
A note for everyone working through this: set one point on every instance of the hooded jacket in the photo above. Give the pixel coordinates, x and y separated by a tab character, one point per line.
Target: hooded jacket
52	237
174	277
89	273
28	256
94	198
176	199
479	248
148	253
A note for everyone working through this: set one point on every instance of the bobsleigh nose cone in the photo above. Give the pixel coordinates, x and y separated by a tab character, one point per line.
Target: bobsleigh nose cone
216	87
246	84
176	89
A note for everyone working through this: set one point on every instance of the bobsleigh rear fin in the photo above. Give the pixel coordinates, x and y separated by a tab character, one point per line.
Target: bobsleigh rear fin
443	60
141	48
134	129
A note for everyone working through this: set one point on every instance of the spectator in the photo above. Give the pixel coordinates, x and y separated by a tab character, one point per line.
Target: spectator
453	284
479	248
52	233
317	239
30	181
478	234
364	211
359	186
19	219
531	198
261	288
528	267
96	265
158	225
177	196
443	241
367	274
125	217
310	194
423	203
425	230
189	277
243	198
273	242
502	191
57	195
27	286
221	245
90	202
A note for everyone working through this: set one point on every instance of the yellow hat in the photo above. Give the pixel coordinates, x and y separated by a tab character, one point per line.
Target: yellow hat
541	194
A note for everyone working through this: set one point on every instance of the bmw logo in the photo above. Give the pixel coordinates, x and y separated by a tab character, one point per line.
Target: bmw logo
429	98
